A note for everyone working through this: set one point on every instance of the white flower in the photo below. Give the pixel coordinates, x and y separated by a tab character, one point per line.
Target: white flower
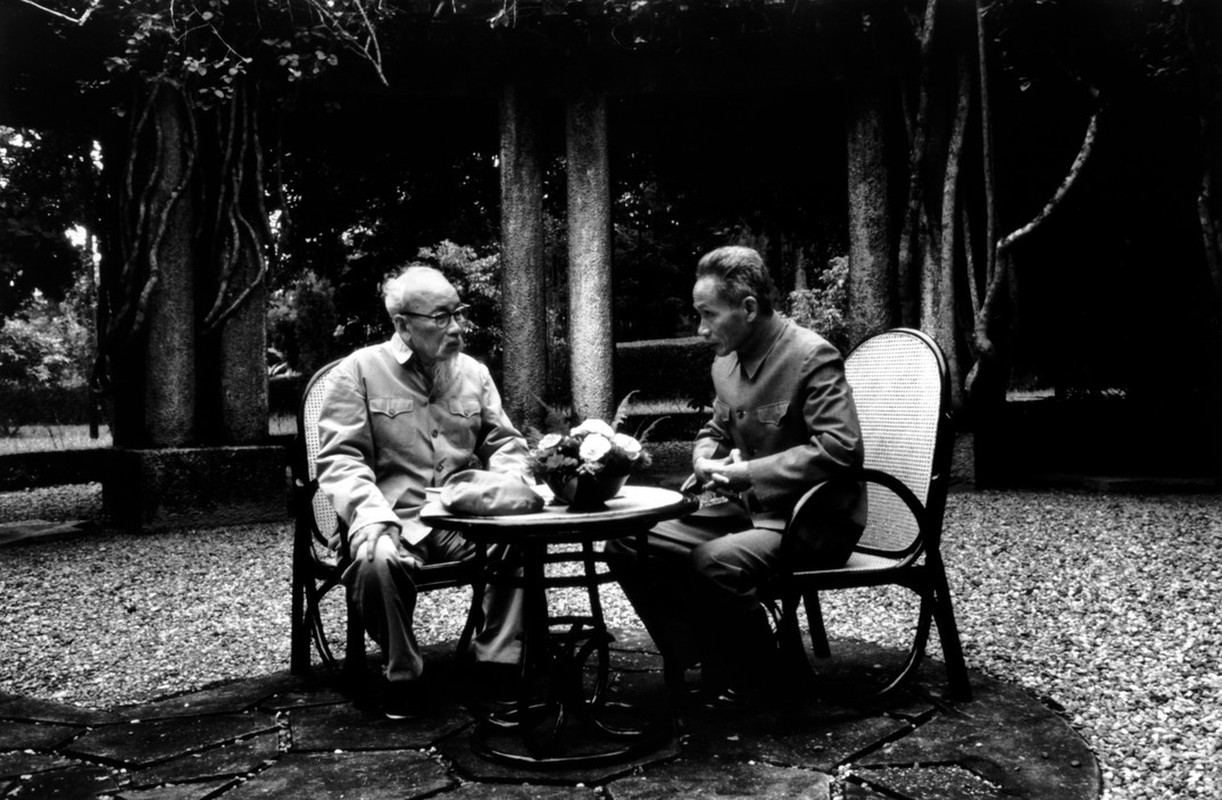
630	446
594	447
550	441
593	426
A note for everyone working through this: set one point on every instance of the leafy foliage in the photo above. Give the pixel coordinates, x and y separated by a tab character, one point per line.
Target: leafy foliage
46	344
44	191
823	307
301	324
478	281
208	46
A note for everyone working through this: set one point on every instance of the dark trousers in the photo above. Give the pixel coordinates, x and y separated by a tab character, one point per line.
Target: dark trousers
697	592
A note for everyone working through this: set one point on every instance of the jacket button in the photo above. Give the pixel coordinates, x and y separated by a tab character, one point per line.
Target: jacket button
434	434
740	413
440	467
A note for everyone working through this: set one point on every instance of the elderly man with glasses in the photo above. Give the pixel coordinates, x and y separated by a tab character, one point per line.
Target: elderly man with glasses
398	418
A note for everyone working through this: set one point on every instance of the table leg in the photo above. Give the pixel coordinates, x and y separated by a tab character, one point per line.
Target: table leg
558	720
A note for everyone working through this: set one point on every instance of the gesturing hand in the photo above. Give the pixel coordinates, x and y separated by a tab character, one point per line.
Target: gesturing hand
729	474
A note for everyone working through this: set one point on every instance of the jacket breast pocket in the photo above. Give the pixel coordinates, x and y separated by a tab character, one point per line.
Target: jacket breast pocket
390	407
464	406
773	413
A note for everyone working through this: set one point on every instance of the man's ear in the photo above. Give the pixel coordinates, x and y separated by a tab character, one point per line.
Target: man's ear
401	328
752	307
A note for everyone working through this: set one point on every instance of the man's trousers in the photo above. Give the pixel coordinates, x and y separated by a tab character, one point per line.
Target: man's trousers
385	594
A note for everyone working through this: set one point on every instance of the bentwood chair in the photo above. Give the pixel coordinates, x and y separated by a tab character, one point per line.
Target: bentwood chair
317	568
901	388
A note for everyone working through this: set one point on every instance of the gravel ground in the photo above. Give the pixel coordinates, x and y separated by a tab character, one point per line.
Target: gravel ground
1105	606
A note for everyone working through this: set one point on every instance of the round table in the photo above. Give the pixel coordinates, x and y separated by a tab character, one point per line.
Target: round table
556	687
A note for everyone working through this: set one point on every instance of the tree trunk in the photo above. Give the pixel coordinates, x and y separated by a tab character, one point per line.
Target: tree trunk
941	323
522	282
871	285
1204	23
908	275
589	221
1204	29
243	371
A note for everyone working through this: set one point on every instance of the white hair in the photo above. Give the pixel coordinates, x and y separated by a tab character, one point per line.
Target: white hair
398	288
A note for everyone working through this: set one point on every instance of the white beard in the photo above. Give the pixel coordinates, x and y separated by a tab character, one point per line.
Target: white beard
443	372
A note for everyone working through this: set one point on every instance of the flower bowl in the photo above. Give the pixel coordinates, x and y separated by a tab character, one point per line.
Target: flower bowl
586	492
587	465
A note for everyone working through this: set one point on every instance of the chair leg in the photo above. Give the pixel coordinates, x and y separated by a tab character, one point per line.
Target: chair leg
798	672
814	621
318	633
948	635
299	630
299	635
917	652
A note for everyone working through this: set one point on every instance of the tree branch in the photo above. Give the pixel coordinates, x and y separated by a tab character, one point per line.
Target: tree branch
1088	143
988	308
950	203
986	147
60	15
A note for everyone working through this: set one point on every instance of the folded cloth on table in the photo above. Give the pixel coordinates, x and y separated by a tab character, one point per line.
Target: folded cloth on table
486	494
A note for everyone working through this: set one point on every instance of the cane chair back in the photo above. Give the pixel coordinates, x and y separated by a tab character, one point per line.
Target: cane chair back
898	389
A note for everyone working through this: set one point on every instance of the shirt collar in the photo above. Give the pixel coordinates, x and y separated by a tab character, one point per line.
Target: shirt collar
750	366
400	350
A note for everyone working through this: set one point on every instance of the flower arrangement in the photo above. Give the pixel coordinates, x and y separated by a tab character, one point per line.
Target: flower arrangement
590	463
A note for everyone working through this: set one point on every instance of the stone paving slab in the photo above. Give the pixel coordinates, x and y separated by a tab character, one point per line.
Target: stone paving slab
286	736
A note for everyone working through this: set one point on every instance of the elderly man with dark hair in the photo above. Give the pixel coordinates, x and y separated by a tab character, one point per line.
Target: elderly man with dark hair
398	418
783	419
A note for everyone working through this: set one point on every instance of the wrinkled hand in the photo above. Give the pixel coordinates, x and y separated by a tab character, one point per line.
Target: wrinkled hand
724	474
382	536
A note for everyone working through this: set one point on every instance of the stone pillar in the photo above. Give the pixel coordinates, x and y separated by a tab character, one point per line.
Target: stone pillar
589	224
243	370
524	312
170	334
871	289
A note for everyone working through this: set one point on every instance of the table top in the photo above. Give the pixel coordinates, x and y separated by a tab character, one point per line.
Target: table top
635	507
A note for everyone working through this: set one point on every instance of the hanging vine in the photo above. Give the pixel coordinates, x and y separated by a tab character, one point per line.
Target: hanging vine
144	212
192	66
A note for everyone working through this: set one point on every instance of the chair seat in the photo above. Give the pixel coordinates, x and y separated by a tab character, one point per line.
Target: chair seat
865	562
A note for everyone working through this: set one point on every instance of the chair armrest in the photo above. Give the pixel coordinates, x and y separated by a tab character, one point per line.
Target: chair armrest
808	500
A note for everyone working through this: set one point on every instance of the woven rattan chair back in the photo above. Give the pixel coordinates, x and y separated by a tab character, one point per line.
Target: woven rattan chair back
897	386
325	519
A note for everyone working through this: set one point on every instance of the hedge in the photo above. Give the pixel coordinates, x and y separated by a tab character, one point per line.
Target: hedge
57	405
658	369
665	369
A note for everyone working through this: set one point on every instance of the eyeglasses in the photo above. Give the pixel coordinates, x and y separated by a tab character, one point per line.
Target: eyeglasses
442	319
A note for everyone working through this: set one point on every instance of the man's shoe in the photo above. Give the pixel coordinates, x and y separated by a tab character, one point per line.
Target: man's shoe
403	700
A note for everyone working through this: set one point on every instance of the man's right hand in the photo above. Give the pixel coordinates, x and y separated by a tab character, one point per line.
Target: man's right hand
368	536
723	475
